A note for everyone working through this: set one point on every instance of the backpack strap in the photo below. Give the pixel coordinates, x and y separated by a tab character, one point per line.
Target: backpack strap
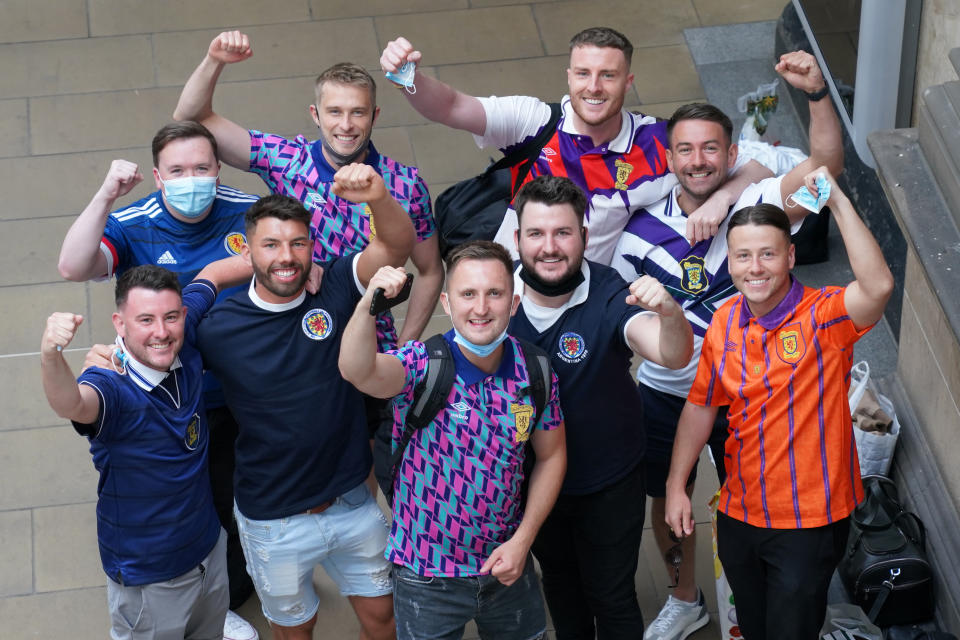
429	396
529	151
539	374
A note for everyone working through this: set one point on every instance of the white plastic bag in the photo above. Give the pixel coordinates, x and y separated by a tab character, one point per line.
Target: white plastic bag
848	622
874	449
758	105
726	610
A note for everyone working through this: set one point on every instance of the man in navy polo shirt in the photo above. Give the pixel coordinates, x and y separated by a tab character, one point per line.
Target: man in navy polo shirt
591	322
460	539
164	554
303	452
190	221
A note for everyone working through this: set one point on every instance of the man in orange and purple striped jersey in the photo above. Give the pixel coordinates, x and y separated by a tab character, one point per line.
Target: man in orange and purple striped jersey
780	355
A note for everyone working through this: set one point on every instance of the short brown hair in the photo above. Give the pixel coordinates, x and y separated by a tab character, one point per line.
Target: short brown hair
551	190
350	74
479	250
145	276
182	131
762	214
603	37
699	111
276	206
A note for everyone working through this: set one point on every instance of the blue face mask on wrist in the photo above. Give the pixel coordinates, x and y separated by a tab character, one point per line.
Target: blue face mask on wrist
803	198
481	350
190	196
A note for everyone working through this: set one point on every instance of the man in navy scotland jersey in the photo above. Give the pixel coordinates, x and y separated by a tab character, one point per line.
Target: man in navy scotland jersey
148	435
190	221
591	322
303	452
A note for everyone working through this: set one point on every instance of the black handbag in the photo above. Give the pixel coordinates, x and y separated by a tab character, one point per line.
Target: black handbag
885	567
473	209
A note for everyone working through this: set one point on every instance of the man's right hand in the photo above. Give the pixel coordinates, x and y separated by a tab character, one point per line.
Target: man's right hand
60	330
678	513
230	47
398	52
390	279
122	177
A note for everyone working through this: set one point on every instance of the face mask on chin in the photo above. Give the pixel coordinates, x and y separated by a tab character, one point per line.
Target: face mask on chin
190	196
481	350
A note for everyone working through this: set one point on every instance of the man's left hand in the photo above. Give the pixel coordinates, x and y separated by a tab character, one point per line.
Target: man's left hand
506	562
649	293
359	183
703	223
801	70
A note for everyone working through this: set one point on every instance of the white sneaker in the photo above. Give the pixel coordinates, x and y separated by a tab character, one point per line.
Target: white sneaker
236	628
678	619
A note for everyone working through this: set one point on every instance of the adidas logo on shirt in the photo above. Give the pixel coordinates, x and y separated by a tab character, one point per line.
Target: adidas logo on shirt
166	258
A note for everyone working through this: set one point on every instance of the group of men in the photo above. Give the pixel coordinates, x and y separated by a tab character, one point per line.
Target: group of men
508	466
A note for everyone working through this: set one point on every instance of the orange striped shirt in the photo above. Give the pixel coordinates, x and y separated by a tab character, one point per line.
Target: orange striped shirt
790	455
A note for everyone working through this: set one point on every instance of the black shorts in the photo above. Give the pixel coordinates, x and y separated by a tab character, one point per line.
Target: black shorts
661	412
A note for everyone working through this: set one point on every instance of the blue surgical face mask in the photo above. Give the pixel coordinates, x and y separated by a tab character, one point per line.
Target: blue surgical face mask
805	199
482	350
404	76
190	196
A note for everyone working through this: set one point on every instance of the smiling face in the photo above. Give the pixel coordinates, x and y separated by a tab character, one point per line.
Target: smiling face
345	114
151	324
550	241
479	299
760	258
280	252
598	80
700	154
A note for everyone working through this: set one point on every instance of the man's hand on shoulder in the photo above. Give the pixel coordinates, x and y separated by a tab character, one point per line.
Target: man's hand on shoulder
801	70
230	47
359	183
396	53
704	223
102	356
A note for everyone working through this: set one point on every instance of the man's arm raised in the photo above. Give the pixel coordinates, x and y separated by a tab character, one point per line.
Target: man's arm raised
392	243
426	289
435	100
67	398
196	99
665	338
80	255
376	374
866	297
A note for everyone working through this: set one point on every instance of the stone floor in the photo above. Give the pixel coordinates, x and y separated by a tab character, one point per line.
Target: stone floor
86	81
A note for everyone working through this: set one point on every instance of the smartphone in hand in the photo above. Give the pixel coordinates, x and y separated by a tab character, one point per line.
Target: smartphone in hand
381	303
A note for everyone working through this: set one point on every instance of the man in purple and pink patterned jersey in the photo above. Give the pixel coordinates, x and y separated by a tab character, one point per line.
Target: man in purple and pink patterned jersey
459	530
345	111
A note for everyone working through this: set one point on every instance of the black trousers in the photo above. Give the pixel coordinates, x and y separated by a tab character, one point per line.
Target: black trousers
780	577
222	460
588	550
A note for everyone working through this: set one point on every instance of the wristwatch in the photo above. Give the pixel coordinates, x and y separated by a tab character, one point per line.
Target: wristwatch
818	95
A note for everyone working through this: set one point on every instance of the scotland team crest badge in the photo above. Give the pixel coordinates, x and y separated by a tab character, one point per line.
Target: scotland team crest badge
233	242
317	324
192	437
522	413
573	348
790	343
694	275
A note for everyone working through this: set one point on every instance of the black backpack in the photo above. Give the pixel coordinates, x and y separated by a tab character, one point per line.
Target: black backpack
430	396
473	209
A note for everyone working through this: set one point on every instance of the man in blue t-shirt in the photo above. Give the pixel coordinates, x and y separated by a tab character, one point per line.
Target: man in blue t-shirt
303	452
161	544
591	322
190	221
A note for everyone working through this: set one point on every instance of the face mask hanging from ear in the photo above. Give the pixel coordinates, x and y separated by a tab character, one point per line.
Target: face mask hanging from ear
481	350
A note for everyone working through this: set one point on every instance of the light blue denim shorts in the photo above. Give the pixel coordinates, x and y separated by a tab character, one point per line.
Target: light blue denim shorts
347	539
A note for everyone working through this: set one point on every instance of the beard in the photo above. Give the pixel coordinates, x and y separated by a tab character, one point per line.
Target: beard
558	286
282	289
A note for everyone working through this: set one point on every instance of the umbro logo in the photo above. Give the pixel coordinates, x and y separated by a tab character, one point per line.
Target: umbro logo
166	258
461	408
730	346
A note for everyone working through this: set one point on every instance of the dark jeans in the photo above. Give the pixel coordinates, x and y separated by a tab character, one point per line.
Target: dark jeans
780	577
439	608
222	459
588	550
